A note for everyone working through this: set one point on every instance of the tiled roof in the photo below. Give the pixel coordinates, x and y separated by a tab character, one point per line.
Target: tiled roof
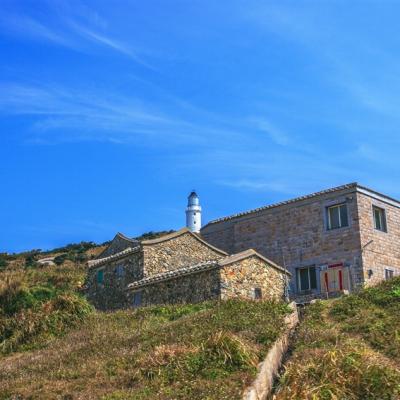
354	185
309	196
250	253
204	266
113	257
164	276
100	261
181	232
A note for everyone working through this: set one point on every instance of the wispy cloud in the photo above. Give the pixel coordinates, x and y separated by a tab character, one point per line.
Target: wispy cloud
259	186
92	114
276	134
77	32
27	27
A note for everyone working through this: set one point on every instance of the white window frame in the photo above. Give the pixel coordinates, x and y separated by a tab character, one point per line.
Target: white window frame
389	270
382	218
328	220
309	279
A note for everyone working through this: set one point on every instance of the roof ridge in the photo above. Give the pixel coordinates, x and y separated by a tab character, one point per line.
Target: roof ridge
166	237
100	261
285	202
178	233
163	276
249	253
133	240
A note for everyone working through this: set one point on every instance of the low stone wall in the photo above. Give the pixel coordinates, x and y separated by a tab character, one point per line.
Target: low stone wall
268	369
240	278
193	288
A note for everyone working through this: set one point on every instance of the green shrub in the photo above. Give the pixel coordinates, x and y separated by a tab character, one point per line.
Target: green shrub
3	261
31	327
59	260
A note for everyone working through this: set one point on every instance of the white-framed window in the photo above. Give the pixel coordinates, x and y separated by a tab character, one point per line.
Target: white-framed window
306	278
337	216
389	273
379	218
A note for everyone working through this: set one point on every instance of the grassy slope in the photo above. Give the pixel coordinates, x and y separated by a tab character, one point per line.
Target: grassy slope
54	345
348	348
206	351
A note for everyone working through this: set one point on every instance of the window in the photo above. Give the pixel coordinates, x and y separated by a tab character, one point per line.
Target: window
257	293
389	273
100	276
120	271
307	278
379	219
137	299
337	216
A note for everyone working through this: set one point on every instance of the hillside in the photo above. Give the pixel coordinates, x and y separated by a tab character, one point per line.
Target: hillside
205	351
53	344
39	302
347	348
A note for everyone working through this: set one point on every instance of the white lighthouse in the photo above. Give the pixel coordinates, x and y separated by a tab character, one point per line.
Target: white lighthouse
193	213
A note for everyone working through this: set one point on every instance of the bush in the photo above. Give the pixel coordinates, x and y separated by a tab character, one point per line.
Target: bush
31	327
31	259
3	261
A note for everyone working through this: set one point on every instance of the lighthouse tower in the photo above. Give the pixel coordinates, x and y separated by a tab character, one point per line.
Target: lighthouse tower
193	213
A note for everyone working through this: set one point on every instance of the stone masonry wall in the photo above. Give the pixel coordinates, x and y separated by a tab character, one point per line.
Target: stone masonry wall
193	288
112	294
240	278
295	234
175	253
384	250
118	244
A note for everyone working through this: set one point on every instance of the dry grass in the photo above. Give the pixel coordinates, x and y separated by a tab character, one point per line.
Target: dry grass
206	351
347	349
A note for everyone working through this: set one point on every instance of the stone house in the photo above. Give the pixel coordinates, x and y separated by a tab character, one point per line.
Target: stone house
175	268
334	240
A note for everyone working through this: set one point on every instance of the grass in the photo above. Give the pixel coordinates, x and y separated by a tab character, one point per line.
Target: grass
203	351
39	304
347	348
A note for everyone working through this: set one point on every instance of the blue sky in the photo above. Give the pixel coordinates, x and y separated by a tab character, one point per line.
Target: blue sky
111	112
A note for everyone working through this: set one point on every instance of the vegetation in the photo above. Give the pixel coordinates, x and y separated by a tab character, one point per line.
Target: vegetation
39	304
54	345
347	348
153	235
3	261
203	351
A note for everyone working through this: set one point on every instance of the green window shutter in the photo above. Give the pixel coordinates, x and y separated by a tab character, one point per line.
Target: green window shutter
100	276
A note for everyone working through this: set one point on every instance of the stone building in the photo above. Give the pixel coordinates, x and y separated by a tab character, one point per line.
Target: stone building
334	240
175	268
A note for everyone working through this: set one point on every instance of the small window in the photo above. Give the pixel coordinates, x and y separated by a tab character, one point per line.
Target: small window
137	299
379	219
337	216
100	276
389	273
257	293
307	278
120	271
